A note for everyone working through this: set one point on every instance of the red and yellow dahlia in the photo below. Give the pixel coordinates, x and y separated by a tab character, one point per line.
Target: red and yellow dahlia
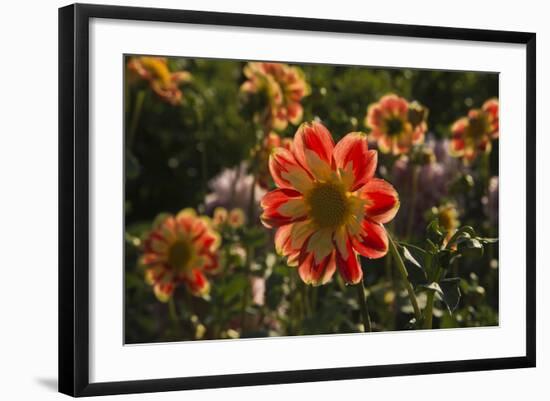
472	135
328	206
162	81
284	87
180	250
396	125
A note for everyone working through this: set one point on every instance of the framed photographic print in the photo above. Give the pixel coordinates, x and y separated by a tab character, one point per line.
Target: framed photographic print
250	199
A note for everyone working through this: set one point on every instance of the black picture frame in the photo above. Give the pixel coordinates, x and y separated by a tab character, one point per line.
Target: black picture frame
74	198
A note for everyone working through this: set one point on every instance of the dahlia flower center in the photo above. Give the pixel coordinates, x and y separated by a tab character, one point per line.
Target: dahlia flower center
394	126
328	204
180	254
478	126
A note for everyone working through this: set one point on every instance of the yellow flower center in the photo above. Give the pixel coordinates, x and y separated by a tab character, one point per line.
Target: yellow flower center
329	205
180	255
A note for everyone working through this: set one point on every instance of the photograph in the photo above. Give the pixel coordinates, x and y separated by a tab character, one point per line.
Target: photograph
267	199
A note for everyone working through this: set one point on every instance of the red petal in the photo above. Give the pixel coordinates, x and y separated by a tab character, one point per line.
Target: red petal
211	263
318	274
374	119
316	138
282	240
456	147
393	104
197	283
286	171
459	127
373	240
164	291
294	112
352	153
273	201
385	144
382	200
348	265
154	274
491	107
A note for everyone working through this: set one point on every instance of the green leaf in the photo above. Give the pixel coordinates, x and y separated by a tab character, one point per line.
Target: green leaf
235	286
274	289
255	237
462	232
133	167
488	240
415	271
432	287
445	258
408	257
470	247
451	292
434	232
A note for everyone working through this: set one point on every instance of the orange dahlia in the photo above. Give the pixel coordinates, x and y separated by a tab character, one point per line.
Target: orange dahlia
328	206
162	81
180	250
284	87
396	125
472	135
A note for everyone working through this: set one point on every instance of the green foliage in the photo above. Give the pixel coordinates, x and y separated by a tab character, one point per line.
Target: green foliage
432	273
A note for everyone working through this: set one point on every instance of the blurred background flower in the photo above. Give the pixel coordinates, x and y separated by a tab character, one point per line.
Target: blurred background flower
472	135
234	188
162	81
180	250
436	172
282	88
396	125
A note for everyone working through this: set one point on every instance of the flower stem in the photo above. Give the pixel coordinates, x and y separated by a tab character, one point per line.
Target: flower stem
135	117
428	312
485	172
305	300
405	277
172	310
362	300
313	300
174	316
247	290
204	166
414	190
